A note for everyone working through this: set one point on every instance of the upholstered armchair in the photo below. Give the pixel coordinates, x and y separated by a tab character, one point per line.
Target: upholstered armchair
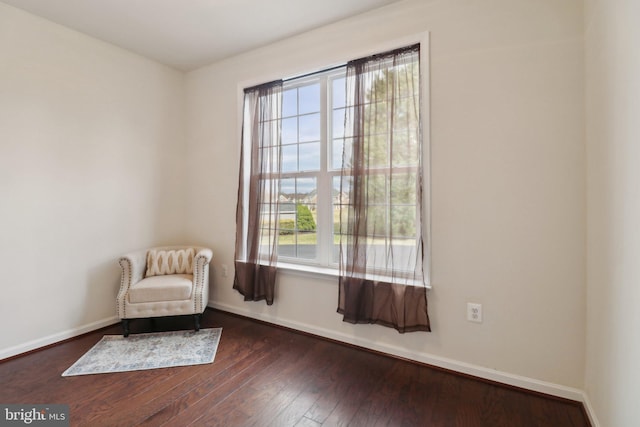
164	281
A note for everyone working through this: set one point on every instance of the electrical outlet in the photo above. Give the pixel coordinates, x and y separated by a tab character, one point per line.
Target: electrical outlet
225	270
474	312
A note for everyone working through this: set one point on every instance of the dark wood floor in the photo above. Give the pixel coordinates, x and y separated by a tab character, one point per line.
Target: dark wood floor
268	376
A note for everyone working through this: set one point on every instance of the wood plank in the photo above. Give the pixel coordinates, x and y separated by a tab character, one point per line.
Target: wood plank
265	375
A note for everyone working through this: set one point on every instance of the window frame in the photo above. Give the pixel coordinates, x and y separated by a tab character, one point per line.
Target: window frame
325	267
324	176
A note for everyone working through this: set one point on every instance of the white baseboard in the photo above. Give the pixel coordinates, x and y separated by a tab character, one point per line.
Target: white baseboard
430	359
590	411
60	336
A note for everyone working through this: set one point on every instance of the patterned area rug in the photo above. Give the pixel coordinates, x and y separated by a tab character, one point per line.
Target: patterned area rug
114	353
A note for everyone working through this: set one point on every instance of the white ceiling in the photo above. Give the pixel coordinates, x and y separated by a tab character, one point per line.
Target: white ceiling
187	34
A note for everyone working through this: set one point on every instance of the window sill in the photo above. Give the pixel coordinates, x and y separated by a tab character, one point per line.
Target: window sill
325	272
310	270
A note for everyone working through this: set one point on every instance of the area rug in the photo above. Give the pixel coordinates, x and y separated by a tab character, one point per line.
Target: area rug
114	353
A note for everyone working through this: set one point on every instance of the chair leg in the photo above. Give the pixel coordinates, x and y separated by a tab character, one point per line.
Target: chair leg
125	327
196	321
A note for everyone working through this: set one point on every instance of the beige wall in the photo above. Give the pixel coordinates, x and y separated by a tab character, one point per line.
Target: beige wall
91	162
612	379
508	187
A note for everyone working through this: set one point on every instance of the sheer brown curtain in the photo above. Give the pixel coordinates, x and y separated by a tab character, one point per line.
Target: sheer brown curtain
381	248
257	210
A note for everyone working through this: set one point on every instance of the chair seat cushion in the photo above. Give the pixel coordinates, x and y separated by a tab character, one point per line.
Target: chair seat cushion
173	287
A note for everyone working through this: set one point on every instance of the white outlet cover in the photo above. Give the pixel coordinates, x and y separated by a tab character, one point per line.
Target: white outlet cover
474	312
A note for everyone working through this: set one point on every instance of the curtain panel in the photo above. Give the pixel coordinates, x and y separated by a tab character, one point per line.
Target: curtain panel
257	211
381	276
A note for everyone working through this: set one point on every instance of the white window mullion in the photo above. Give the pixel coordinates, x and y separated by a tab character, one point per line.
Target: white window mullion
325	212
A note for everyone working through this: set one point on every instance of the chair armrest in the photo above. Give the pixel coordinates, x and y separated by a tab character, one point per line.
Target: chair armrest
203	255
201	278
133	267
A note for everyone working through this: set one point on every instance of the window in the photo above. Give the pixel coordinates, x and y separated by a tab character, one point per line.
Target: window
331	177
315	134
312	134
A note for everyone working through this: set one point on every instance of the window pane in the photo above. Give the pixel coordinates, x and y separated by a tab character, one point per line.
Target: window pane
287	219
310	156
403	221
376	118
287	189
348	119
405	114
270	191
377	190
377	221
306	224
286	230
309	98
290	158
290	130
405	152
267	233
340	215
306	189
297	237
269	157
267	216
307	245
338	92
404	254
310	127
341	194
336	153
403	189
290	103
377	150
267	131
267	237
338	123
